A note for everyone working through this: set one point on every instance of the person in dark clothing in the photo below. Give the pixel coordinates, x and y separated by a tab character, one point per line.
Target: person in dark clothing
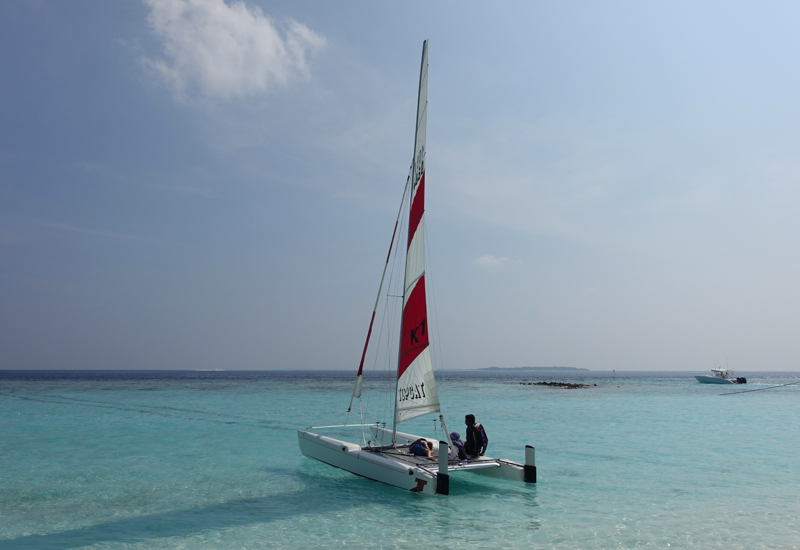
477	441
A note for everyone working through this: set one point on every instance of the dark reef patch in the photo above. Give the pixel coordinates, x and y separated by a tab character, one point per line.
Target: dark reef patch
566	385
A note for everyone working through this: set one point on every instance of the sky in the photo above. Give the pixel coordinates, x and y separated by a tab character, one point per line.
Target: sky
201	184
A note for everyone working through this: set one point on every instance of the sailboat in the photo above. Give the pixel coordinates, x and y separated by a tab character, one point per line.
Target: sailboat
383	454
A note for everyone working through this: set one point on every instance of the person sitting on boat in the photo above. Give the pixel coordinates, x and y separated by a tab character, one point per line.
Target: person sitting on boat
421	447
457	451
477	441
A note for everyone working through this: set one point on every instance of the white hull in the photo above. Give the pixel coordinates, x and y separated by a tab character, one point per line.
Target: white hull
396	467
713	380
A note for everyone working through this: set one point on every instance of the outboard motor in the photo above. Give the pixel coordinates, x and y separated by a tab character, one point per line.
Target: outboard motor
741	380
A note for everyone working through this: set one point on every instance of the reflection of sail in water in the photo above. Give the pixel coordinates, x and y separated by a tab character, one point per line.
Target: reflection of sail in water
384	455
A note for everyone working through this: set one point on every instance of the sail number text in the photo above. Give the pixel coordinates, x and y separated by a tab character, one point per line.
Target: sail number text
412	391
421	327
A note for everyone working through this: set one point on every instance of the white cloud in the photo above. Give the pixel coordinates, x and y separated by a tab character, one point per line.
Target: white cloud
490	262
219	50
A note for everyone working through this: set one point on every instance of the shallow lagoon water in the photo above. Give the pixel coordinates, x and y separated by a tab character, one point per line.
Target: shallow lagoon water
210	460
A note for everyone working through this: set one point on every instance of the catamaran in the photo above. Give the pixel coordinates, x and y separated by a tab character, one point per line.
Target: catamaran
384	454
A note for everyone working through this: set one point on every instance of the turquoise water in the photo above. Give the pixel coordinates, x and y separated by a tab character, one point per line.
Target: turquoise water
210	460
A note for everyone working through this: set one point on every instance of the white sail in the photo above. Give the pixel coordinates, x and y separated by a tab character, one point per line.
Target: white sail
416	386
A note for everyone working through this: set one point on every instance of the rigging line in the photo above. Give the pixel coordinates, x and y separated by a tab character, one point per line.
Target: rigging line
398	267
367	411
332	418
357	389
378	345
361	412
389	310
395	312
393	254
389	353
374	360
760	389
387	395
438	347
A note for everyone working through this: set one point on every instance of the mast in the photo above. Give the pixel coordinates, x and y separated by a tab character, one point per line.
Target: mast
415	393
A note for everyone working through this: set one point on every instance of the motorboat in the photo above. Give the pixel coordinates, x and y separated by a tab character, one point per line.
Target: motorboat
721	376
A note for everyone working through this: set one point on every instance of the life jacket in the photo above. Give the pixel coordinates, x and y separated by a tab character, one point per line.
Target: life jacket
476	439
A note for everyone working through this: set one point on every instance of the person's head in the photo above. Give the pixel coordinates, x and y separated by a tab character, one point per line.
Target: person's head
455	436
469	420
429	444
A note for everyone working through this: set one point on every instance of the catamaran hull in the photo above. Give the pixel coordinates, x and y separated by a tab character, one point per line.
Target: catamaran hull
506	470
411	477
370	465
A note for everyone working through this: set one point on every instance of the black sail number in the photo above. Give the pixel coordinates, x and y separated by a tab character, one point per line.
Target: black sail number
417	331
412	391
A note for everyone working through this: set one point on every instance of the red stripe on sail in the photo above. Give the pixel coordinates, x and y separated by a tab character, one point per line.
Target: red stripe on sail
415	327
417	209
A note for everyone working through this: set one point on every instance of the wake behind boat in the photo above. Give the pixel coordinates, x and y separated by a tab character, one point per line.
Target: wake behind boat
721	376
385	454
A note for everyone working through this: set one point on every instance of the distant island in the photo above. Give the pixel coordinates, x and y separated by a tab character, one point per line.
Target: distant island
532	368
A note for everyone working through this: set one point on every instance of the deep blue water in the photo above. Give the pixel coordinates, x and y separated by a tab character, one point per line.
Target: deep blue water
182	459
